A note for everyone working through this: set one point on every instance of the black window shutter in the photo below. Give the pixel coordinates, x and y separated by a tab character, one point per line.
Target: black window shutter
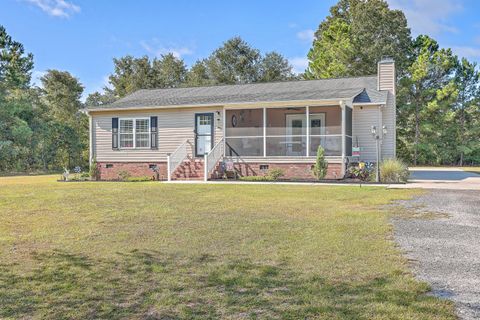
114	133
153	132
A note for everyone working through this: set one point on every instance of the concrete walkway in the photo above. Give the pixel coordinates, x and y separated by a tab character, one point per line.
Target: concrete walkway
424	178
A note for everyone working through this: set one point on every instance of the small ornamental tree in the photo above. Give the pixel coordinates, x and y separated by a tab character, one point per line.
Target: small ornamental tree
320	167
94	170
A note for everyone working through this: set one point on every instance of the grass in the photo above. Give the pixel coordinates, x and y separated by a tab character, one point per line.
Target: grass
165	251
471	169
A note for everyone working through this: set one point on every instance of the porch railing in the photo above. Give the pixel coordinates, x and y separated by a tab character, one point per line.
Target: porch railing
176	158
212	158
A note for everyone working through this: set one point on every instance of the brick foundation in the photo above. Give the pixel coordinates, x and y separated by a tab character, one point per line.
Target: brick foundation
136	169
300	171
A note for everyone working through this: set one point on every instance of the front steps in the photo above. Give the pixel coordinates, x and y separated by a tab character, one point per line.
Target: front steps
190	169
193	169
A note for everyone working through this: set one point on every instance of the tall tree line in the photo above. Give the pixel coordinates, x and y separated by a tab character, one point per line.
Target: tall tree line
40	128
438	95
438	100
235	61
44	128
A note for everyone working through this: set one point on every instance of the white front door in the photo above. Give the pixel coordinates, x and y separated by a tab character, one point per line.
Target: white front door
296	131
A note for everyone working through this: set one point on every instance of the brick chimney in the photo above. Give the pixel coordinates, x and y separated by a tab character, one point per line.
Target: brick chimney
386	75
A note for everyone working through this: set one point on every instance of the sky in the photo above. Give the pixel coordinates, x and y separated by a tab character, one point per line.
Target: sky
83	36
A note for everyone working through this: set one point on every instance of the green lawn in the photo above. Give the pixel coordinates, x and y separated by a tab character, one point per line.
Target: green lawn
166	251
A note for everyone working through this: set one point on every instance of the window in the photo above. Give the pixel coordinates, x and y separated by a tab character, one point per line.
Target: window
142	133
134	133
126	133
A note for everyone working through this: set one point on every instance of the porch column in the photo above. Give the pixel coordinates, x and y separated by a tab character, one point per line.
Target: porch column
307	108
344	130
224	125
264	132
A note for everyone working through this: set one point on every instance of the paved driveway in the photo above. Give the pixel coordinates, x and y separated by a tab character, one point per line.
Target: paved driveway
445	251
442	178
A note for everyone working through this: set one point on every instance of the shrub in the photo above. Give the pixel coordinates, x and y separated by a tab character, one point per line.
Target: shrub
94	170
320	167
124	175
138	179
393	170
275	173
257	178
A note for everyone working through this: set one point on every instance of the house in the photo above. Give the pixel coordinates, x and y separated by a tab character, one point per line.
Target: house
186	133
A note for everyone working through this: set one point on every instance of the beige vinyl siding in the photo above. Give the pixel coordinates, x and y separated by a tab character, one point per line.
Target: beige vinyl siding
389	120
363	119
174	127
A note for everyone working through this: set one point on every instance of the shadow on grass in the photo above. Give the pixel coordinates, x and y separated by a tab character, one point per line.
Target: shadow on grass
152	285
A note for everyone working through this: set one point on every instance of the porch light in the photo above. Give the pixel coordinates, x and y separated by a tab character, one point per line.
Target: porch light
374	130
384	130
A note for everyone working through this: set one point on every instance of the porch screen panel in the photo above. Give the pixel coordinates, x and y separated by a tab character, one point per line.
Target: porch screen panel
286	132
326	130
244	132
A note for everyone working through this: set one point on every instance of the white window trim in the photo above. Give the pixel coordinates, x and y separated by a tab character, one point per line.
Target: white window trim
134	120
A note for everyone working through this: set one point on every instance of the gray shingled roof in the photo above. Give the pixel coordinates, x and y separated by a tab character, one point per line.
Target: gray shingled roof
362	89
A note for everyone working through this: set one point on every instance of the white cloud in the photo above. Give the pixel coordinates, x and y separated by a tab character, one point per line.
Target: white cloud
299	64
306	35
428	16
467	52
155	48
56	8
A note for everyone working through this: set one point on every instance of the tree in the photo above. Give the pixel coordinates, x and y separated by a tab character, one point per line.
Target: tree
130	74
15	65
62	93
15	109
98	99
425	95
274	67
320	166
332	54
198	75
67	126
234	62
355	36
467	81
168	72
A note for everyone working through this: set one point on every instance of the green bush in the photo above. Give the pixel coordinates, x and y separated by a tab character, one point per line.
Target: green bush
393	171
124	175
138	179
257	178
94	171
320	167
275	173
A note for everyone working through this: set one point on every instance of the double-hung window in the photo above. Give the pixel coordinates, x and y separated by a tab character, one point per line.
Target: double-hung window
134	133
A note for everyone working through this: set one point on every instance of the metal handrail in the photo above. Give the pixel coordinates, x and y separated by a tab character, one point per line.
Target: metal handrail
176	158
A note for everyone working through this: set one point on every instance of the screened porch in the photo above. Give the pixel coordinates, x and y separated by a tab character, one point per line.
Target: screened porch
288	132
